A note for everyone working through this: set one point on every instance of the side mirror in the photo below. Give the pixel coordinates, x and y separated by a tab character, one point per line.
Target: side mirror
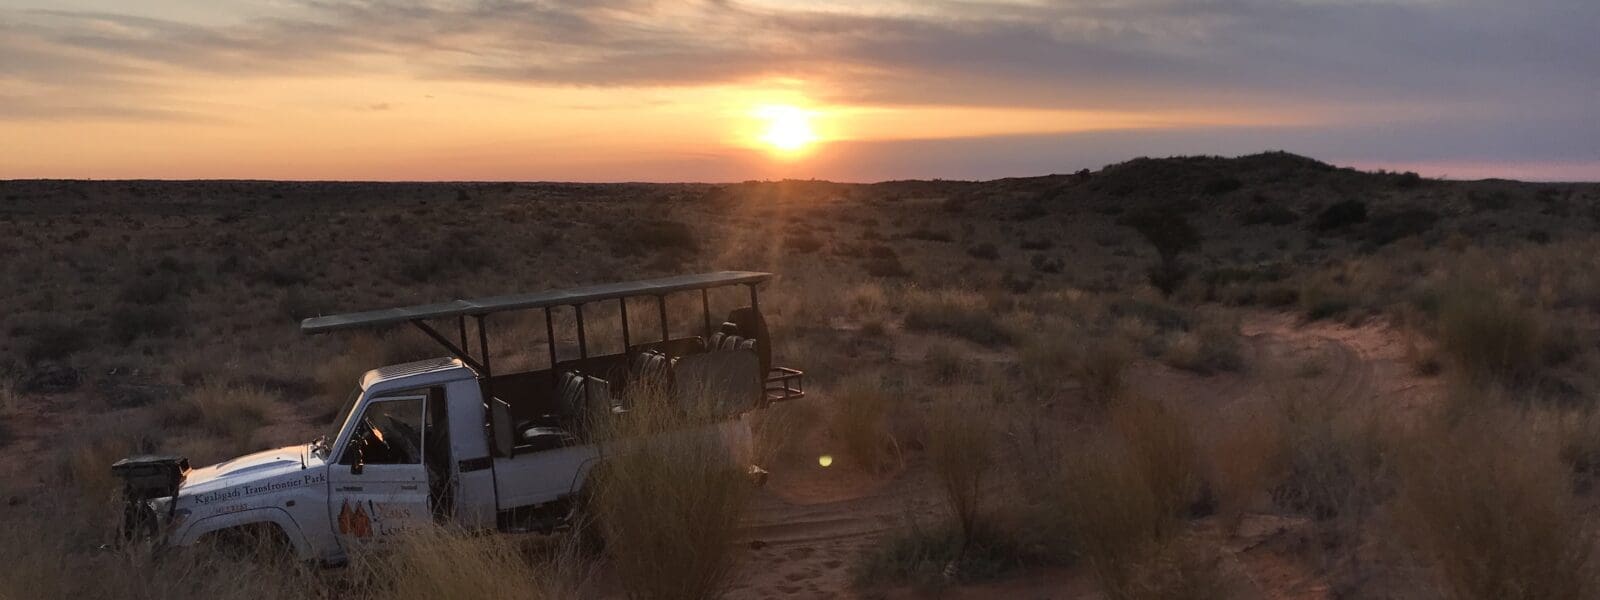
353	456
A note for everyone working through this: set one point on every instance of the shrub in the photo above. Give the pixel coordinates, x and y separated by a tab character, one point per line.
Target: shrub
947	362
1220	185
802	242
1210	348
929	235
888	267
961	313
1045	264
1491	509
1341	215
1102	371
1172	235
225	410
1490	339
1271	214
54	340
130	323
1388	227
984	251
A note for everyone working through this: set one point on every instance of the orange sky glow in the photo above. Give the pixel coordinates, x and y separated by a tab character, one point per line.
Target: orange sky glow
719	91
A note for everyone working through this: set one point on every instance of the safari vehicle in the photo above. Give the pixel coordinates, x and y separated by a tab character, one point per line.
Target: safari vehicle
452	441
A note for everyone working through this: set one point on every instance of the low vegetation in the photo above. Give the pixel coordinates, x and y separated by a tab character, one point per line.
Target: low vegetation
1060	356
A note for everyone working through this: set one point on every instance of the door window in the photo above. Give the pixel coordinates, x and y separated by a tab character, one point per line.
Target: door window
389	433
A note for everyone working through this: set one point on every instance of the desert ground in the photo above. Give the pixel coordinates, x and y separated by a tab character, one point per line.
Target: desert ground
1194	377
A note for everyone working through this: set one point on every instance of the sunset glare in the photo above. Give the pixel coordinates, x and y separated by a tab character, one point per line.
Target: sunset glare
788	129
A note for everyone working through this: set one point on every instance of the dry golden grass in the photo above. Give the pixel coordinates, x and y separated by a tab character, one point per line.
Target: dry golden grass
962	313
961	447
1488	338
1246	456
441	562
859	415
1489	506
232	412
668	504
1159	443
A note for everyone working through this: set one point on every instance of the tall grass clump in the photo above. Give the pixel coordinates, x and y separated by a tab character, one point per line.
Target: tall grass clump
1490	339
1124	496
961	446
668	495
859	419
442	562
962	313
1160	443
226	410
1489	506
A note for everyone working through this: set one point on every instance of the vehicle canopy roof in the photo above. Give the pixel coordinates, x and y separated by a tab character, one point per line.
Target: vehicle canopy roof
567	297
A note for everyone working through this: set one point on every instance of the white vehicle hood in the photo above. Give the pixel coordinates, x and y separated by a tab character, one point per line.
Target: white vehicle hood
252	474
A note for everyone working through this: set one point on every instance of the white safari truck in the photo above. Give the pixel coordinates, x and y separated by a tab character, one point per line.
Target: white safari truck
451	441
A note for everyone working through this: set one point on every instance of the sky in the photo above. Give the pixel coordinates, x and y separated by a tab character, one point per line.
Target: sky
732	90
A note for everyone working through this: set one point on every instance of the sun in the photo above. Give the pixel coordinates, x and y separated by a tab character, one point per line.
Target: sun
787	129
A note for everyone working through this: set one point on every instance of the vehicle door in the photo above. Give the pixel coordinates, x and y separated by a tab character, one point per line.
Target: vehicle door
380	486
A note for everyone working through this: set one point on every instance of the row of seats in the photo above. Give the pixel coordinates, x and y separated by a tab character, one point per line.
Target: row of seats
727	338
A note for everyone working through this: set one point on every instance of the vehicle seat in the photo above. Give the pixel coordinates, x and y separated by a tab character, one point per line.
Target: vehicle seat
651	366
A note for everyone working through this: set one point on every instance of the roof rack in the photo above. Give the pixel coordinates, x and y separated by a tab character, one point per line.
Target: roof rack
567	297
574	297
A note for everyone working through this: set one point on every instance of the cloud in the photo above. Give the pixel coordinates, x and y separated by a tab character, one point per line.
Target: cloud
1365	65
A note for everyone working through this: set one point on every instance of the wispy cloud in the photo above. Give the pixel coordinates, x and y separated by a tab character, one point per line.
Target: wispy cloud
1361	62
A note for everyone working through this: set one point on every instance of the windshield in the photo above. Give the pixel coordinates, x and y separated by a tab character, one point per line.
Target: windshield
323	443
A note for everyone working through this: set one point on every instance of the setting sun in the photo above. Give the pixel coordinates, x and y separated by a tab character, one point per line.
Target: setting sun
788	129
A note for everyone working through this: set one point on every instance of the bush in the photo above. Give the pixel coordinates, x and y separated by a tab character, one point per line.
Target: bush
1385	228
1269	215
1341	215
1490	339
1172	235
1220	186
984	251
1491	509
54	340
225	410
961	313
1102	371
130	323
651	237
802	242
929	235
1210	348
